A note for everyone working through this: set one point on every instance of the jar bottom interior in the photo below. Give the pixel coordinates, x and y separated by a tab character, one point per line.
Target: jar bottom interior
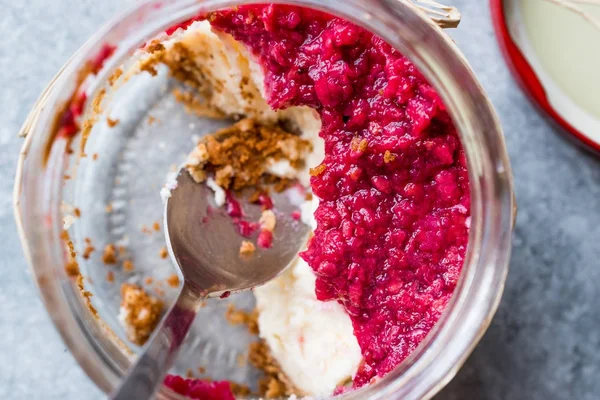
116	190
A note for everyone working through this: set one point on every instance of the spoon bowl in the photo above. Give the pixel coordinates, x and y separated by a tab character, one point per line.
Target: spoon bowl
205	242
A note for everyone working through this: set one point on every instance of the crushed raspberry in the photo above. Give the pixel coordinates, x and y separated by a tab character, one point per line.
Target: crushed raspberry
246	228
232	206
265	201
265	239
394	192
198	389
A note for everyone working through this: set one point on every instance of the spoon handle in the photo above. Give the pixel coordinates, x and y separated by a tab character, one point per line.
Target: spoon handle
146	376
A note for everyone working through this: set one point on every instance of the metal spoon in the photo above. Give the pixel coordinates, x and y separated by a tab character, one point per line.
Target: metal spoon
205	245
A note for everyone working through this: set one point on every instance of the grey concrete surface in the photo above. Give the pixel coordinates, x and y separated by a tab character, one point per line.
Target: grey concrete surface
545	340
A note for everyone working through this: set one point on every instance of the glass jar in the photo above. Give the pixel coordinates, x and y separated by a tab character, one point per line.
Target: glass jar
93	337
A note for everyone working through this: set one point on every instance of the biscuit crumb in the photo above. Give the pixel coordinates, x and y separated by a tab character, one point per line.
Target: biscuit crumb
247	248
110	277
163	253
95	156
77	212
140	313
128	266
241	317
110	254
318	170
388	157
112	122
108	208
275	384
239	390
156	226
149	280
115	76
173	281
88	250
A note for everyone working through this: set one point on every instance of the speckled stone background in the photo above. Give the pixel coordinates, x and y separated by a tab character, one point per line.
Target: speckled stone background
545	340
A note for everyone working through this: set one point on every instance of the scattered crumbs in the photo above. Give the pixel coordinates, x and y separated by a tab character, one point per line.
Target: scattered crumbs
86	295
388	157
159	291
308	196
122	251
95	156
201	370
115	76
140	313
77	212
88	249
151	120
189	373
173	281
72	268
110	254
241	317
156	226
197	105
108	208
274	384
67	177
110	277
128	266
247	248
163	253
112	122
155	46
239	390
149	280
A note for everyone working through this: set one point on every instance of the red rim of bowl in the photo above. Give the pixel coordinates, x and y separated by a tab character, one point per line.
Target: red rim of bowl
527	78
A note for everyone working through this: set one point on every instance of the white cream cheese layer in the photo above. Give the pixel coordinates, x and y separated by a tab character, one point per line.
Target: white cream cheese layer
312	340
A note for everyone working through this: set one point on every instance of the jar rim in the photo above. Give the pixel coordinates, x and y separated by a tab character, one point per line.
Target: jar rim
477	295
